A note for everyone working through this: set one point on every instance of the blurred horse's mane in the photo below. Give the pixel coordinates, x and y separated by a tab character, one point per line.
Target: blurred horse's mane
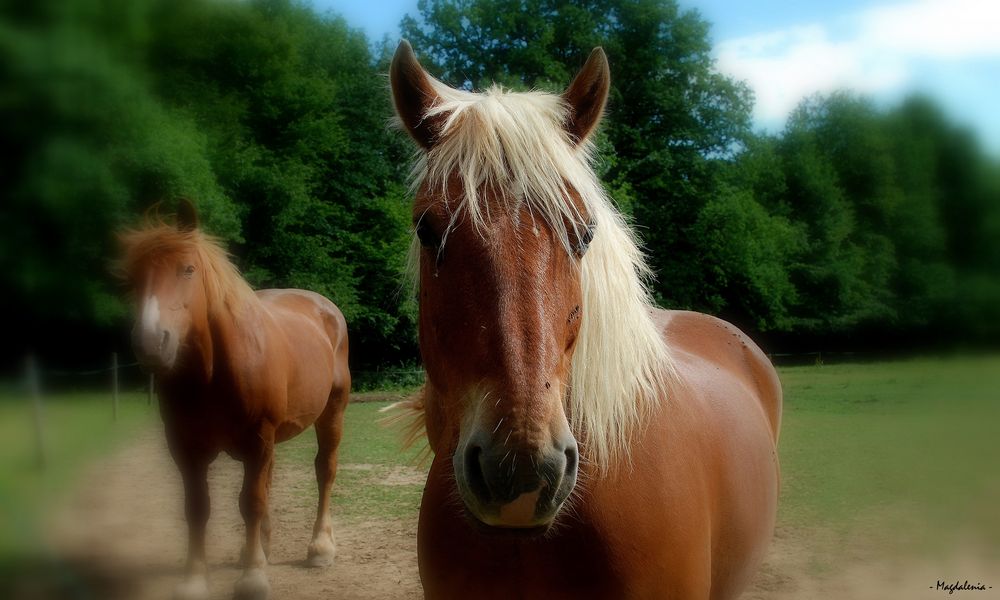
157	241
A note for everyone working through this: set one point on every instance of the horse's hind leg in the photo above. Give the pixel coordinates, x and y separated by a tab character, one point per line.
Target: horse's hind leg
329	428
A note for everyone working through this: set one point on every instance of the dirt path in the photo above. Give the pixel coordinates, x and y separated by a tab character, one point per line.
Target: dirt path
124	531
122	535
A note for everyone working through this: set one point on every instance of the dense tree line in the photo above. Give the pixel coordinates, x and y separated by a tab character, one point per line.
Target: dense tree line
856	225
273	118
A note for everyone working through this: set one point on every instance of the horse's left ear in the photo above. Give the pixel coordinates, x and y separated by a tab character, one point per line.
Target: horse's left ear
587	96
187	215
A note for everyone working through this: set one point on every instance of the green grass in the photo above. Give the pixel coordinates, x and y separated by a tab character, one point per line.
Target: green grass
906	450
899	452
376	479
77	429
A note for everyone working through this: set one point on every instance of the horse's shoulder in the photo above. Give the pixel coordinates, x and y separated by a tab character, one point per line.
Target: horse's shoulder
703	337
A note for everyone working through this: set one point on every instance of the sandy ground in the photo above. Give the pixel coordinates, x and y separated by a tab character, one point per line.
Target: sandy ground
121	536
124	531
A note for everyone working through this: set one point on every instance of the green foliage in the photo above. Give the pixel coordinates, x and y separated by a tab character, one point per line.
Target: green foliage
854	220
672	119
745	251
297	117
897	208
87	145
272	118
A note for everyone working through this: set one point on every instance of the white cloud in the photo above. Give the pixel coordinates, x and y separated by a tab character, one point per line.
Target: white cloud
872	51
951	29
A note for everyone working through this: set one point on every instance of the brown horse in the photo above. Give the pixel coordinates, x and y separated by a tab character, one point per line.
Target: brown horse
237	371
586	444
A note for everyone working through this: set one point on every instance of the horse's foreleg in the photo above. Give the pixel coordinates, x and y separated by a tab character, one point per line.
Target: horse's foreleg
253	584
194	472
329	428
265	524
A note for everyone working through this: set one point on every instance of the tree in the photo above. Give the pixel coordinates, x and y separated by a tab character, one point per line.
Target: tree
272	118
747	251
673	121
297	115
87	146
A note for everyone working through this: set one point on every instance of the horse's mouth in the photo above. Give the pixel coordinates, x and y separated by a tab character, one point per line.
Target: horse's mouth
155	364
496	531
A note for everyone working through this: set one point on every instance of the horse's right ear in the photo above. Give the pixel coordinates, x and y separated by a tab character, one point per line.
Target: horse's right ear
413	94
587	96
187	215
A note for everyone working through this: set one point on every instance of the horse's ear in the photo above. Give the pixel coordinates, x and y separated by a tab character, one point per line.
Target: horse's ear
587	96
187	215
413	94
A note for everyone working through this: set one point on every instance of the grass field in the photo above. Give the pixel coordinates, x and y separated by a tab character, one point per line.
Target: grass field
893	457
905	452
78	428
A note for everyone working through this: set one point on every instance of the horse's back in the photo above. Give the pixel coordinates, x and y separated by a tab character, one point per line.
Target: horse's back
724	345
285	303
732	391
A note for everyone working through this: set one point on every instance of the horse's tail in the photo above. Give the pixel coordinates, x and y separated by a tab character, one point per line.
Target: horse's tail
408	416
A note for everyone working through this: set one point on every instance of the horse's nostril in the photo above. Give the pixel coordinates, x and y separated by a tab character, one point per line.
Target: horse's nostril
164	339
572	459
474	472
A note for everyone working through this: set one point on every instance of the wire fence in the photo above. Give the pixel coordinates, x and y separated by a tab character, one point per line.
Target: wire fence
817	357
35	377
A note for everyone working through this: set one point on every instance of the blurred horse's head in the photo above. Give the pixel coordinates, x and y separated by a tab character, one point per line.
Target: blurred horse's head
176	275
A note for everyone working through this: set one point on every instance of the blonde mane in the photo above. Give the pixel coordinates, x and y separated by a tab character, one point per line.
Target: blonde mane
225	288
516	142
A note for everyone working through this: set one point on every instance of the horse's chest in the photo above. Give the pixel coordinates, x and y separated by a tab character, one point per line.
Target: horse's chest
457	560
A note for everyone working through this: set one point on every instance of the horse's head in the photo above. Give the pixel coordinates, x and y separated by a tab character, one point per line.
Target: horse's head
163	272
502	227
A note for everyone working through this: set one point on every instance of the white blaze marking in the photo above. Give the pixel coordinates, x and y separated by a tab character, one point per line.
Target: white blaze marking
150	315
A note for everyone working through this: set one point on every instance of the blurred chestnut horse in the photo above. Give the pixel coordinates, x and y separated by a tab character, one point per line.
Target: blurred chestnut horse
586	444
237	371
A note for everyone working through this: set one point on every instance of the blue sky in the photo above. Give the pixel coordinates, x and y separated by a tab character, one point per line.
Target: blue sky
949	49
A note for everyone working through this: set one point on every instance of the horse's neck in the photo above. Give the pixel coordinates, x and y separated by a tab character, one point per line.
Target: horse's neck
213	341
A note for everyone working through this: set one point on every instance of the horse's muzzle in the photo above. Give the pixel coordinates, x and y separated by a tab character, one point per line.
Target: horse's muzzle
155	350
516	488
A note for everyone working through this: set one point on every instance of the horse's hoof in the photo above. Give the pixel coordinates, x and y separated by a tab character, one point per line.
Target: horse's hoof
321	553
253	585
193	588
319	560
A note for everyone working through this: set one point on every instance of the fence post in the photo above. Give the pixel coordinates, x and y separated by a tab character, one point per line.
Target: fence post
149	394
35	391
114	385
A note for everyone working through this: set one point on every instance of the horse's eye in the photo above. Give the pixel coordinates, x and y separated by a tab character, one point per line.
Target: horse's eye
585	238
187	272
427	237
